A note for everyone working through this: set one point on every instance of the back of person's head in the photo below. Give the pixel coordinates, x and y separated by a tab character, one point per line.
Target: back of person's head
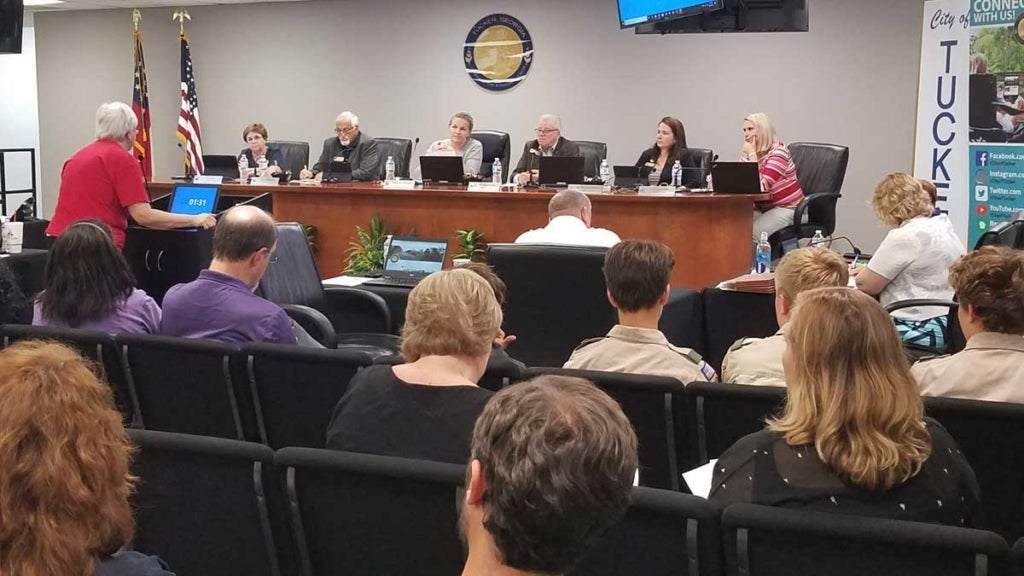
86	276
114	120
850	391
637	273
929	188
450	313
807	268
567	202
497	284
979	63
900	197
557	457
64	455
14	306
241	232
991	281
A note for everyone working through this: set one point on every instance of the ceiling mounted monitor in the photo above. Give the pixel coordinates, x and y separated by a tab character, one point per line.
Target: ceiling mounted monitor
637	12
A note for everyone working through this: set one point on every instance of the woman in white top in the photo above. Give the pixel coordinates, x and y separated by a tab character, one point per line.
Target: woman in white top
913	260
460	144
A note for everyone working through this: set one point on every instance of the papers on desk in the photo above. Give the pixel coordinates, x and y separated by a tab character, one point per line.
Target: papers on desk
699	479
346	281
305	181
755	283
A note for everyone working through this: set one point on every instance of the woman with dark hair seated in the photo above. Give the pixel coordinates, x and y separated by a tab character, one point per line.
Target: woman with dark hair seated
90	286
14	307
669	146
65	483
852	438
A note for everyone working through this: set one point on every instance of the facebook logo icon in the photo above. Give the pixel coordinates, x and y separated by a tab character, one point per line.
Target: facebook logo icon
981	158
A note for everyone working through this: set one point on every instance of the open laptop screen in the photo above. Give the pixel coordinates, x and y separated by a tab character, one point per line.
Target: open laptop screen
193	199
424	255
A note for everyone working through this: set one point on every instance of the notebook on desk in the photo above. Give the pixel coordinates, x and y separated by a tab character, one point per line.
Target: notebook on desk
410	260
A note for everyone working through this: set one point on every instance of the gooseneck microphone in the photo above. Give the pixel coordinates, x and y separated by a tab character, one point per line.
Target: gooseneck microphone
145	179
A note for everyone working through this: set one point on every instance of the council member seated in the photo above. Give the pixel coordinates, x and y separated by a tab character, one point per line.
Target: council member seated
913	259
426	408
989	285
255	135
351	146
669	146
778	174
549	142
89	285
569	216
852	437
459	143
637	274
758	361
104	181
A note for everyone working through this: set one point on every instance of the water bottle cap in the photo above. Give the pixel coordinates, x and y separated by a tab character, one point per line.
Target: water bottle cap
764	236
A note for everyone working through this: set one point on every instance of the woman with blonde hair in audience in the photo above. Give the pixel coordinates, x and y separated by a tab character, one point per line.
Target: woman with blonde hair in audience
913	260
65	483
426	407
852	438
778	174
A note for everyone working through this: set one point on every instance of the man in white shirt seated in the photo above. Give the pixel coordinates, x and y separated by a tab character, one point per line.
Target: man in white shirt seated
569	214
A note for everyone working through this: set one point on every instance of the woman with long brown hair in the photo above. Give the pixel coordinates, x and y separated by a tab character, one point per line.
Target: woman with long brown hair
669	146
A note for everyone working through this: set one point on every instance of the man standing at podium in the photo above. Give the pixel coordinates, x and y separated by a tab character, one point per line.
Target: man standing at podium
105	182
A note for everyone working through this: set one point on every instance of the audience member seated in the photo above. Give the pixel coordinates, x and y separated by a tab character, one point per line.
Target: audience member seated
255	135
989	284
778	174
552	468
499	357
549	142
569	217
459	143
670	146
65	486
913	260
425	408
350	145
220	304
758	361
637	273
852	438
89	285
14	306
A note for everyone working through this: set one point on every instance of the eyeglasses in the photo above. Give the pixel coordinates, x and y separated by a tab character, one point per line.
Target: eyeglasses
545	131
344	130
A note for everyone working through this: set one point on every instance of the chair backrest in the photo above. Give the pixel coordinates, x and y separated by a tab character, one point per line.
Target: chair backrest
365	514
296	154
704	158
1005	234
352	309
954	339
990	435
593	153
295	389
400	149
663	534
729	316
556	299
769	541
496	145
657	408
294	277
821	168
1017	554
208	505
723	413
187	386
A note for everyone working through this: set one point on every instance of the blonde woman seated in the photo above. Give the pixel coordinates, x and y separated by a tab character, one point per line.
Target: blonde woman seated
459	143
852	438
65	483
913	260
426	408
778	174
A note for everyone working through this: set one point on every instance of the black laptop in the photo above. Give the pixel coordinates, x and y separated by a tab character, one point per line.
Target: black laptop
410	260
736	178
224	165
442	169
338	171
626	176
560	171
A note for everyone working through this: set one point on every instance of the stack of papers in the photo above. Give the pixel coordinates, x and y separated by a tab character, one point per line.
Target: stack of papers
755	283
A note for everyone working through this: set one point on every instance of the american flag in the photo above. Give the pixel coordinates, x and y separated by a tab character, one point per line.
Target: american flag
188	119
140	105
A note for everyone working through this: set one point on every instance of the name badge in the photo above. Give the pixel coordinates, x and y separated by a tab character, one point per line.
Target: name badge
207	179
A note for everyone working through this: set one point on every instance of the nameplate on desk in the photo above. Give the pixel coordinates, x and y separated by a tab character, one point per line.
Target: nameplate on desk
207	179
657	191
399	184
265	181
591	188
485	186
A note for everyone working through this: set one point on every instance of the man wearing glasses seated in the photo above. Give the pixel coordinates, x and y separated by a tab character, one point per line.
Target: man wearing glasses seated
350	146
549	142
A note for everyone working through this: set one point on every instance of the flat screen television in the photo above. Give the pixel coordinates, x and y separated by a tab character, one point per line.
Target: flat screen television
12	14
637	12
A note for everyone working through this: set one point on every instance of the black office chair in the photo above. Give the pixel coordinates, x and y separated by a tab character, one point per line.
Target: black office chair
1009	234
1017	554
723	413
821	169
593	154
496	145
556	299
296	155
400	149
208	505
366	514
703	158
729	316
955	340
771	541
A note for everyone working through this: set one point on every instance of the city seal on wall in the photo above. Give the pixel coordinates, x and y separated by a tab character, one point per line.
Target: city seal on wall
498	52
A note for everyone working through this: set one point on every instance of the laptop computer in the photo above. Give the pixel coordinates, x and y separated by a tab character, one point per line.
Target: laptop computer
192	199
736	178
338	171
557	170
224	165
626	176
409	260
442	169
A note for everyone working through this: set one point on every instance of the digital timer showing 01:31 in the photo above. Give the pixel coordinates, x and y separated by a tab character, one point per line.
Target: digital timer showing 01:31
201	202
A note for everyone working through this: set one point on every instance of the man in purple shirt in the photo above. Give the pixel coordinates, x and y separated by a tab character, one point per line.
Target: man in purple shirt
220	304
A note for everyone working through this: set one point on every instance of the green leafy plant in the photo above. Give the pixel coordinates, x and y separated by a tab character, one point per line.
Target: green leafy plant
310	231
367	253
472	245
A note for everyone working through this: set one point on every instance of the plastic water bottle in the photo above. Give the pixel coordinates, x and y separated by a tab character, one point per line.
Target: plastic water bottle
604	171
243	168
817	240
677	174
261	166
389	169
763	255
496	171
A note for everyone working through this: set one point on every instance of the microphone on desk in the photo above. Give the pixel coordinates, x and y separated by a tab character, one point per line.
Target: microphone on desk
184	159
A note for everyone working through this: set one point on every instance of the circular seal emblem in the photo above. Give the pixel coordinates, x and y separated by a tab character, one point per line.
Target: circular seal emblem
498	52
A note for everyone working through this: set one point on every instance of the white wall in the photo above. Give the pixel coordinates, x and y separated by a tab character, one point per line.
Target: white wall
19	115
851	80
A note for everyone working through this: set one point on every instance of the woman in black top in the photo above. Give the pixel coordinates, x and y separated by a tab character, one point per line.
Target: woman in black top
426	408
852	438
669	146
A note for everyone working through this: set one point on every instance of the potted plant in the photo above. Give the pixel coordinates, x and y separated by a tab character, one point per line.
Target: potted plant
367	253
471	245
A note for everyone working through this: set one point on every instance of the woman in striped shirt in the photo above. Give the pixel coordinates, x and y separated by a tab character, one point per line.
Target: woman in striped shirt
778	174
